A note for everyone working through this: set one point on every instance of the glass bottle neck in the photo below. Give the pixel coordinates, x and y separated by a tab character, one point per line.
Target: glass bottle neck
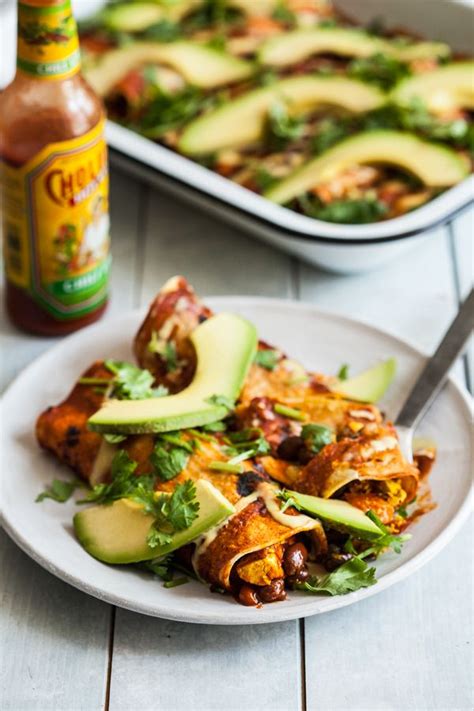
48	46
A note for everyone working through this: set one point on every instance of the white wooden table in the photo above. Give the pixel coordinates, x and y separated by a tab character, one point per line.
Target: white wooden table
408	648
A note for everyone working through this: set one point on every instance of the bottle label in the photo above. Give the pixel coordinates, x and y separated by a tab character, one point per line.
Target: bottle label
48	45
56	225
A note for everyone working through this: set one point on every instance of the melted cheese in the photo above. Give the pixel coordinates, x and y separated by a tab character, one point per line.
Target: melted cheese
383	444
267	492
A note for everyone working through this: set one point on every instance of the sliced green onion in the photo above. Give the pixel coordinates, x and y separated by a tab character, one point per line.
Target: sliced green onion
226	467
288	412
241	457
95	381
174	583
202	435
177	441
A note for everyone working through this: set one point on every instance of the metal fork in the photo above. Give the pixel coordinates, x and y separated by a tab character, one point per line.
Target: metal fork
433	375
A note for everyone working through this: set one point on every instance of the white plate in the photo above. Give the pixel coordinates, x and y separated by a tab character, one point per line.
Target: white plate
321	341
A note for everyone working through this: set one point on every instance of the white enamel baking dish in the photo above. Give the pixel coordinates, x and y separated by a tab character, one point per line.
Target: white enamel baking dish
340	248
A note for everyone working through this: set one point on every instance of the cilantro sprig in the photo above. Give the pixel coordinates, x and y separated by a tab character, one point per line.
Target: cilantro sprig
133	383
316	437
129	382
170	455
171	513
59	490
350	576
122	483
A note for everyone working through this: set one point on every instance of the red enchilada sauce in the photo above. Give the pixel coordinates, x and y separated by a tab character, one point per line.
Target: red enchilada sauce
54	179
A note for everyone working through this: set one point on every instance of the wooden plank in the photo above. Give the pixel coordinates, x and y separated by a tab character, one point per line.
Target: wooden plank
409	647
163	665
55	639
462	236
219	664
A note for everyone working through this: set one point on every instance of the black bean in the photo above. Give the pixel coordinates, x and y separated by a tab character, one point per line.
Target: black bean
273	592
247	596
289	449
294	558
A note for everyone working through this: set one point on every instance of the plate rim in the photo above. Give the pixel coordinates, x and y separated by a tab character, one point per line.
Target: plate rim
278	615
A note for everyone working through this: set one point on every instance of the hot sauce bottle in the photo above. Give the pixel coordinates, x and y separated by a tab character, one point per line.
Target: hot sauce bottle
54	179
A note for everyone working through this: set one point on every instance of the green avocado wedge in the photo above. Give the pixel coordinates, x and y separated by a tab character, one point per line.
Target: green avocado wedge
296	46
241	121
434	165
117	532
130	17
225	346
337	514
201	66
448	87
138	16
371	385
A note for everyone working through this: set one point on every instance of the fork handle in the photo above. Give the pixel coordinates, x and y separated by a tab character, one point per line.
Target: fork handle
436	370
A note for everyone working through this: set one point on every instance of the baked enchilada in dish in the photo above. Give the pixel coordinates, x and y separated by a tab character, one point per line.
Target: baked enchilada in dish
219	457
287	98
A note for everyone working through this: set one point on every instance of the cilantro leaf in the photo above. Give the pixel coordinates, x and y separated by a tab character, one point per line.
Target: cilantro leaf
387	540
183	506
123	481
165	111
172	513
316	437
156	537
130	382
168	461
221	400
360	212
282	13
267	359
379	69
343	372
59	490
288	500
282	127
163	31
350	576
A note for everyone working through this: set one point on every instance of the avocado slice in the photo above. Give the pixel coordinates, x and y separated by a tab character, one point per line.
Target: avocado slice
451	86
242	121
338	515
116	533
132	17
204	67
225	347
369	386
292	47
138	16
434	165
